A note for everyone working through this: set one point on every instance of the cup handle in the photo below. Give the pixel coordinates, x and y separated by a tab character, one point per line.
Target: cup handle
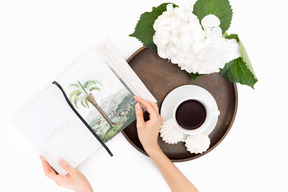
216	113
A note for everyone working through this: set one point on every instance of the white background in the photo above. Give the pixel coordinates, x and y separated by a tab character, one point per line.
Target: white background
39	39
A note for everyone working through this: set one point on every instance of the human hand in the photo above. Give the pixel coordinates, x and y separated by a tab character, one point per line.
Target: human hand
148	131
148	134
73	180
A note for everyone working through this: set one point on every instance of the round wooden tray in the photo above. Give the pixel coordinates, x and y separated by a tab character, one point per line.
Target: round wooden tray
160	77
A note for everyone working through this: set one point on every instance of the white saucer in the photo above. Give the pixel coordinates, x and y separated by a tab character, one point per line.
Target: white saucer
184	92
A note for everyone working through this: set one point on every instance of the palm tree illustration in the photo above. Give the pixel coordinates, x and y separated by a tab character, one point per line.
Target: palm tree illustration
83	94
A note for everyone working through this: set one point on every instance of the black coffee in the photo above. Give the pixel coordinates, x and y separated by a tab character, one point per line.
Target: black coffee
190	114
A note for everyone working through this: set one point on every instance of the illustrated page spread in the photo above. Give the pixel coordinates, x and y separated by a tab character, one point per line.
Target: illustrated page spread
100	87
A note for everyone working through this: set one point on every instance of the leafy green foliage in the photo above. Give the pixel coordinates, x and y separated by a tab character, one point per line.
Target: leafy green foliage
236	71
86	102
94	88
221	8
75	94
144	30
81	92
239	70
73	85
75	103
89	83
83	103
195	75
245	57
232	36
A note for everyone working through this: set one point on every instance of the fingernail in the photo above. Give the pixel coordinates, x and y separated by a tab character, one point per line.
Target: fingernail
138	106
42	158
61	161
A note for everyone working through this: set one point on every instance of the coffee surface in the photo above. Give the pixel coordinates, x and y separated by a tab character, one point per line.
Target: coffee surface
190	114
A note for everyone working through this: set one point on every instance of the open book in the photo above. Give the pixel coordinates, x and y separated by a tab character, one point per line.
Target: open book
83	109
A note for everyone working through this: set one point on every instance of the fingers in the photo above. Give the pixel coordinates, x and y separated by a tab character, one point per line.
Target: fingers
60	180
48	170
66	166
151	107
139	115
155	106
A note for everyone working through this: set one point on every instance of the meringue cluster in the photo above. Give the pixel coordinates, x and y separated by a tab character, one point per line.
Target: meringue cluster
168	132
194	143
196	48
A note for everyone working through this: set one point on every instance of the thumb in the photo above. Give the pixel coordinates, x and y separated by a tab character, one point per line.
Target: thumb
139	115
66	166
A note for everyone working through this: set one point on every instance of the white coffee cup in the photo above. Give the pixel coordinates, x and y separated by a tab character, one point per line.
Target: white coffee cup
211	114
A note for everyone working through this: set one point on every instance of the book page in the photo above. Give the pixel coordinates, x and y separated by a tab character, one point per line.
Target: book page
54	129
100	86
97	88
123	70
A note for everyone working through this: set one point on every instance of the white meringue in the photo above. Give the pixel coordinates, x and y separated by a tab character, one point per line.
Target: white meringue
210	21
197	143
169	133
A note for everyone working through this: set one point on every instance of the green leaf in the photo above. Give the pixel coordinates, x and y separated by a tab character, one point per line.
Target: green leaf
245	58
75	93
85	100
94	88
237	71
243	53
195	75
82	102
73	85
221	8
232	36
144	30
75	103
89	83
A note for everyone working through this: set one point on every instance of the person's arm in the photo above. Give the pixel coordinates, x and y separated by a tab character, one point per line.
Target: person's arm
148	134
73	180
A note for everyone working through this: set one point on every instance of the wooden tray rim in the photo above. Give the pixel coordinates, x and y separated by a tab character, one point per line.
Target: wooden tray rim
210	148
